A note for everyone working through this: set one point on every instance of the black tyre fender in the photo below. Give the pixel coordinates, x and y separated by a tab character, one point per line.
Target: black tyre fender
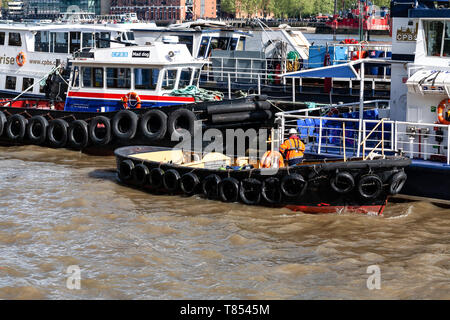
250	191
94	134
126	168
189	183
140	174
343	182
270	190
153	125
124	124
397	182
78	134
180	119
16	126
210	186
2	122
155	178
171	180
57	133
229	190
293	185
37	129
370	186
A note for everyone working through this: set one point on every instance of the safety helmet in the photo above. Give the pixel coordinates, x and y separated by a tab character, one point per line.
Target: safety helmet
292	131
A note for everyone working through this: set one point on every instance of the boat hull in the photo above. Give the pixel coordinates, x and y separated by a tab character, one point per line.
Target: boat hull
315	195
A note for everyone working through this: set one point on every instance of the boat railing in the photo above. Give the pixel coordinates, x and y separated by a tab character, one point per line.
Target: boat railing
354	137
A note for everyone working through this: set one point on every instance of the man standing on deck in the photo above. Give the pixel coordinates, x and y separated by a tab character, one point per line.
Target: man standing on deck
293	148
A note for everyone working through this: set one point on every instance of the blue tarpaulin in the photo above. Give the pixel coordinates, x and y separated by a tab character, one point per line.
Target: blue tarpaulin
337	71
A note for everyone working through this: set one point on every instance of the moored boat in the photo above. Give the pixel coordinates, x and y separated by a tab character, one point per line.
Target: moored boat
313	186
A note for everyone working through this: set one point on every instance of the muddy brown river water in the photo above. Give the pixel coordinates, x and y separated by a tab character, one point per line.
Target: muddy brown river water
60	208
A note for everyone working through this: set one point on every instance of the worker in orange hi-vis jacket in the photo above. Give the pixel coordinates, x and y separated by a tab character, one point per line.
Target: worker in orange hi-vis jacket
293	148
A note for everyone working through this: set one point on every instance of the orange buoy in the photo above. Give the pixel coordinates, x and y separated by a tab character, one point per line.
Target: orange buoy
440	111
20	59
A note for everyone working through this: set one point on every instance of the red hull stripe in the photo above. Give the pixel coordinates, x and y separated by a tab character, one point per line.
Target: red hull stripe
378	209
119	96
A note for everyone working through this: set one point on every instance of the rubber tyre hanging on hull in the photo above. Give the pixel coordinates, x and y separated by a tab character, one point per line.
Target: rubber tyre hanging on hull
229	190
140	174
210	186
250	191
2	122
78	134
98	135
57	133
126	168
293	185
189	183
171	180
343	182
16	126
155	178
370	186
37	129
397	182
180	119
270	190
124	124
153	125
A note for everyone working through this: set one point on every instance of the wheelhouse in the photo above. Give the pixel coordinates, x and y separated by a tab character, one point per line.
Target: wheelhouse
105	79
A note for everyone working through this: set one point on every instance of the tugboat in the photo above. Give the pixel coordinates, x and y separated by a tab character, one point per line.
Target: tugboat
115	95
313	186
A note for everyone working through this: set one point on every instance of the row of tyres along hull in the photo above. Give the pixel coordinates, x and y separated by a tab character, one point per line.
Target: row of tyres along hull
253	112
318	195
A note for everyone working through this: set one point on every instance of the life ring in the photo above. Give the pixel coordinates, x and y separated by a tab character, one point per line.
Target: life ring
126	99
440	111
272	159
21	59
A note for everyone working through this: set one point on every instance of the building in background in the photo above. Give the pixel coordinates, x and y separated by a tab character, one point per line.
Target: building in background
205	9
50	9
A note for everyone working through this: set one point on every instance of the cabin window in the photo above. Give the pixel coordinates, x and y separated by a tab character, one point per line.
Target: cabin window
76	77
118	78
59	42
92	77
41	41
433	37
26	83
102	40
130	36
241	44
169	78
233	44
219	43
10	83
2	38
203	47
187	40
185	78
145	79
446	50
75	41
196	76
14	39
88	41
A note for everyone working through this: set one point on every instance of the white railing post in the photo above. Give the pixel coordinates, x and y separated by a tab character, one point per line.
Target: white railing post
293	89
395	136
448	144
229	86
320	136
359	138
259	84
